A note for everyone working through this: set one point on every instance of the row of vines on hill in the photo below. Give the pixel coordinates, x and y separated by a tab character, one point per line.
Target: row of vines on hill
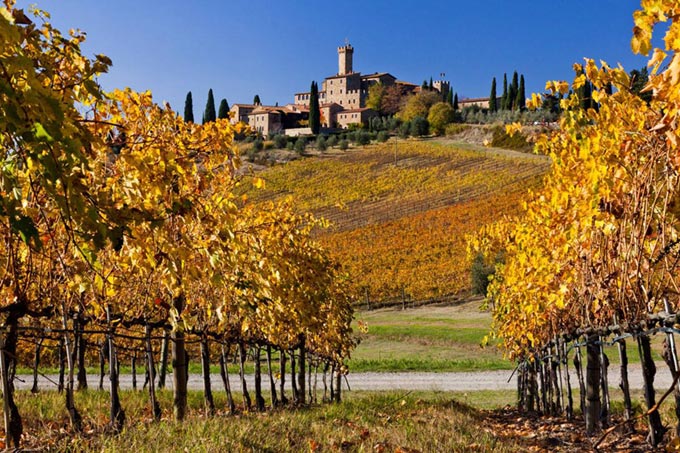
598	247
114	212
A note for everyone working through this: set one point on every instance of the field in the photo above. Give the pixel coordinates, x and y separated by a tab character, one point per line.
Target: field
429	338
400	211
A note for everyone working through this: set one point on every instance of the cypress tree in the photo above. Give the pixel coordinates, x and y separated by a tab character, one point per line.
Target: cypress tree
209	114
314	112
431	84
189	109
424	85
504	97
521	101
492	97
256	100
455	102
223	111
512	92
449	97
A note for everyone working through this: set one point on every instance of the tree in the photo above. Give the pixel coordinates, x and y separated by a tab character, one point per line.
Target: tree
394	99
419	105
440	115
376	93
424	85
256	100
431	85
638	81
223	111
512	92
504	97
314	111
492	96
189	108
520	99
419	126
455	102
209	114
449	97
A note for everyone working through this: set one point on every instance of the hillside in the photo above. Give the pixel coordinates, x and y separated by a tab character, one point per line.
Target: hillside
400	210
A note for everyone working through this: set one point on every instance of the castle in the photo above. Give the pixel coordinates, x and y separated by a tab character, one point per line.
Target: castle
342	100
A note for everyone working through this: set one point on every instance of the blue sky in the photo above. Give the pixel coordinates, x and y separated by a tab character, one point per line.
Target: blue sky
240	48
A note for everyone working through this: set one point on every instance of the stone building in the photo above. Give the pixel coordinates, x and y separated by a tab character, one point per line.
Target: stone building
348	90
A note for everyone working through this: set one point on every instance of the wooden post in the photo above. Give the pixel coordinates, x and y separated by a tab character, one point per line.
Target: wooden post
62	365
623	383
179	363
671	358
151	370
133	364
282	373
604	363
224	373
6	411
74	415
242	372
117	413
259	399
593	383
36	365
578	364
570	398
270	370
656	428
163	367
205	368
102	363
302	372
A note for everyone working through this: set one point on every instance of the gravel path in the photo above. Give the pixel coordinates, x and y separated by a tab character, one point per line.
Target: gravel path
462	381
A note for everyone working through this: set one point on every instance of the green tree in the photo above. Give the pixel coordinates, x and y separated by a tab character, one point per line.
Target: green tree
492	97
376	93
209	113
223	111
431	86
504	96
449	97
424	85
512	92
455	102
314	110
520	99
256	100
419	126
189	108
638	81
440	115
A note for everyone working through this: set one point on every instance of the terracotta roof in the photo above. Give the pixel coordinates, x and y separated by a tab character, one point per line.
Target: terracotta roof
244	105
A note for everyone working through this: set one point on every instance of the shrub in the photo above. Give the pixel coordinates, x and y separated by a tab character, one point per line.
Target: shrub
280	141
290	146
363	137
321	144
343	145
405	129
419	126
332	141
300	145
258	145
382	136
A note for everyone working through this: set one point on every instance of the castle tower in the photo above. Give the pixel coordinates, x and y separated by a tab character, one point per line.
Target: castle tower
345	59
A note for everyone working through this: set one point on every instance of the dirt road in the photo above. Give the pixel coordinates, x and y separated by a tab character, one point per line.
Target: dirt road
462	381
